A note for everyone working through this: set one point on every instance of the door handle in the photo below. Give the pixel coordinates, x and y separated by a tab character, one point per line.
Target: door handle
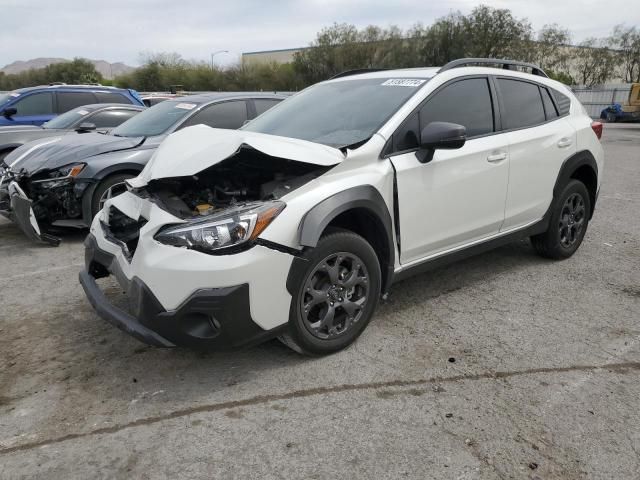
564	142
497	157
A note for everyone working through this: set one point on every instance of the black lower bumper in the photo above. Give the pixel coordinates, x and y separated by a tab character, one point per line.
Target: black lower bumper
212	318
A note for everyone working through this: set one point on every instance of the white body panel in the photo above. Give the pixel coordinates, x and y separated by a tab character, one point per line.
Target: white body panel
456	198
173	274
535	157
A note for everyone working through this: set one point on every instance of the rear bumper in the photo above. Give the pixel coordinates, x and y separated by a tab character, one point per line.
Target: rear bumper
211	318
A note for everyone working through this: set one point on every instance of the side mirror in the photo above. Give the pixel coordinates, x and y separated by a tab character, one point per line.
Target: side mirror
440	136
85	127
10	112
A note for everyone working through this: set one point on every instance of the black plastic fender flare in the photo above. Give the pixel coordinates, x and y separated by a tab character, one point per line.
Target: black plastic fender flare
568	168
367	197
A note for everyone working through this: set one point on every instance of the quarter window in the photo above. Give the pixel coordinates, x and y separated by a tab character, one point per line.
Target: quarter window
35	104
465	102
112	97
264	104
522	104
220	115
563	102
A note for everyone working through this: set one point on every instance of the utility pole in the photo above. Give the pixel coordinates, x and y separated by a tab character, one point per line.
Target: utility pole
216	53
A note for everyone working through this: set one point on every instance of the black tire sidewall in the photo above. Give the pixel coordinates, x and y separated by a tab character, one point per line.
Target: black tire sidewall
103	186
339	241
574	186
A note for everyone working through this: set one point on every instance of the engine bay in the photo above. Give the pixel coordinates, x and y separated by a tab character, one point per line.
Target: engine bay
247	176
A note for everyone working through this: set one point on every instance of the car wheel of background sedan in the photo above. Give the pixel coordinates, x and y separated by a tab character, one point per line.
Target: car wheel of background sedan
337	298
109	187
568	224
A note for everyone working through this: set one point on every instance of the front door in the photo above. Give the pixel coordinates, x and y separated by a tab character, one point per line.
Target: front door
459	196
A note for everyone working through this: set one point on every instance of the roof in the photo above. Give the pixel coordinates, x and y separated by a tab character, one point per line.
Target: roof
101	106
214	96
421	72
66	87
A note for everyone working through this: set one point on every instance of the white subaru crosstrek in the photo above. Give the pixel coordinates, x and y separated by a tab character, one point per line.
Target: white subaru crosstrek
294	226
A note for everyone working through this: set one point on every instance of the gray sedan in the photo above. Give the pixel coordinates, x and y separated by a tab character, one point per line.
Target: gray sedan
63	181
100	117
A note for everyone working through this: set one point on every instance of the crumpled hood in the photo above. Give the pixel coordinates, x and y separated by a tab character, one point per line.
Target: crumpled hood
194	149
55	152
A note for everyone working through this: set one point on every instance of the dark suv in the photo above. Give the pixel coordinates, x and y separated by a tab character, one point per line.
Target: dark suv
36	105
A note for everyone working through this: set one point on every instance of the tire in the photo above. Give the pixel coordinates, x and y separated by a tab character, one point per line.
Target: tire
104	186
568	224
611	118
345	268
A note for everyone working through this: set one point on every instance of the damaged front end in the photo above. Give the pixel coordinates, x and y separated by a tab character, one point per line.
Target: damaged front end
35	203
225	207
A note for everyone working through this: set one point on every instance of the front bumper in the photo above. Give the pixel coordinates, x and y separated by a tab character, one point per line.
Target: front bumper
211	318
17	207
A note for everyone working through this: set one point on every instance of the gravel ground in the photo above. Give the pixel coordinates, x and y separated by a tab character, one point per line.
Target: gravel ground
501	366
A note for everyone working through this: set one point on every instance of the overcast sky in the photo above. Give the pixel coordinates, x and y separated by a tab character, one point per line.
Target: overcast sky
119	30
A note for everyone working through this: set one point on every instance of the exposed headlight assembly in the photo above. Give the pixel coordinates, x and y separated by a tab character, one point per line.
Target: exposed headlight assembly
63	174
222	231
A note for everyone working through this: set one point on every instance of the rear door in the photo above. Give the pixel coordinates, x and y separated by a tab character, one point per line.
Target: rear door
540	139
459	196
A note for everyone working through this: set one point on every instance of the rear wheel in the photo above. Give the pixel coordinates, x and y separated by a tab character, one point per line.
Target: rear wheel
568	224
337	297
107	188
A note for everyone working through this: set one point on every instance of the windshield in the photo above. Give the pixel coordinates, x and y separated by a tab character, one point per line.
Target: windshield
155	120
66	120
337	114
4	97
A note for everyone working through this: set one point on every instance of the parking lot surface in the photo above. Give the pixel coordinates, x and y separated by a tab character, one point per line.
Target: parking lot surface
505	365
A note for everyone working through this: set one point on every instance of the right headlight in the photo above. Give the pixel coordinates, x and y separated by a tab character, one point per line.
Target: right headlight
223	230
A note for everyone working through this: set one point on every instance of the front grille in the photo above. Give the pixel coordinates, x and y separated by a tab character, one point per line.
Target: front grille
123	230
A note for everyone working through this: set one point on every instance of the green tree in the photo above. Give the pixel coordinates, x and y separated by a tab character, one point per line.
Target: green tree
626	42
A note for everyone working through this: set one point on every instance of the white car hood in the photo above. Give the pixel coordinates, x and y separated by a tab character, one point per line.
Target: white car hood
194	149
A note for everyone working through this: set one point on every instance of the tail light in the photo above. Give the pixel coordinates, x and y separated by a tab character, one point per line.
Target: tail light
597	129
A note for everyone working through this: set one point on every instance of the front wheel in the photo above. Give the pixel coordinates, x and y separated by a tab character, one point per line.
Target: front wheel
568	224
107	188
337	297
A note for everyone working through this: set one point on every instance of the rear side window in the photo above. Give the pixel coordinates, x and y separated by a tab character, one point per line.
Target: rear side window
221	115
110	118
563	102
264	104
112	97
70	100
522	103
35	104
466	102
549	107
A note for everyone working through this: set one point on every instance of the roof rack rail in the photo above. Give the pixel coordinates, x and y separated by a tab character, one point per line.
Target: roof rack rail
506	64
357	71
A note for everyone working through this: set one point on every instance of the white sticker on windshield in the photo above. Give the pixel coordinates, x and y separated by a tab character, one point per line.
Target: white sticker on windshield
82	112
403	82
186	106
